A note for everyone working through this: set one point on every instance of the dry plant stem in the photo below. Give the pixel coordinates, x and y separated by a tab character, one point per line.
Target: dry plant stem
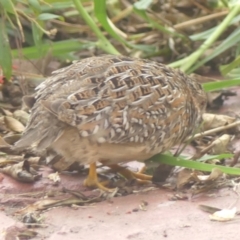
127	4
18	22
194	2
206	149
117	30
200	20
127	11
30	19
215	130
71	25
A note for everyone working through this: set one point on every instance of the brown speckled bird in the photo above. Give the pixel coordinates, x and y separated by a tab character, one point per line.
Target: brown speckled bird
113	109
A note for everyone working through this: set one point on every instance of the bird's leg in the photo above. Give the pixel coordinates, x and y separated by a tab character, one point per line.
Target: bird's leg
128	174
92	179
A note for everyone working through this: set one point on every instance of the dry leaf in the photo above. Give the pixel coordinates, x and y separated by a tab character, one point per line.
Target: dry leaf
184	177
3	127
13	124
54	177
224	215
15	232
3	143
5	112
219	145
22	172
208	209
22	116
11	139
143	206
5	147
214	175
211	121
50	203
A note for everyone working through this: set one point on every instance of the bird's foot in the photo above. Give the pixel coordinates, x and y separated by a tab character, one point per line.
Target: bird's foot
92	180
128	174
94	183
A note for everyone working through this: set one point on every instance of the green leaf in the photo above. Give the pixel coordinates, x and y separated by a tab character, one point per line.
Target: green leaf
48	16
37	34
35	5
214	86
5	52
8	6
143	4
235	73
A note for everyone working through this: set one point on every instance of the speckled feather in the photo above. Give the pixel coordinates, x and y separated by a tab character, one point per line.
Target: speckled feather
110	102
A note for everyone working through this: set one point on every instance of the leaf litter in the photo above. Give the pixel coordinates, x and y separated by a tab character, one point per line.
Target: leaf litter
20	166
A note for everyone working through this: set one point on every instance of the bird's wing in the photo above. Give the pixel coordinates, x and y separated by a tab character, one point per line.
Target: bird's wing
111	98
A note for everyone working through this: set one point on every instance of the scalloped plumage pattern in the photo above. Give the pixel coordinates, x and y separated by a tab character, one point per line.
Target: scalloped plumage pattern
113	108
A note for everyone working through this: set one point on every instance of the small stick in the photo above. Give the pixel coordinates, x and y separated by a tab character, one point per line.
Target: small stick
215	130
200	20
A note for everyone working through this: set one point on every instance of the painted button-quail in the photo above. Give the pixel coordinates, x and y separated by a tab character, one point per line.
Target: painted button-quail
113	109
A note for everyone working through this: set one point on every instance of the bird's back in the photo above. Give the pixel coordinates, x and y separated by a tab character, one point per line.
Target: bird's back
113	99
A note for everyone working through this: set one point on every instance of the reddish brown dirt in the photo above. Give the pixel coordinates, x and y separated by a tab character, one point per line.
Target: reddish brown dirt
118	218
162	219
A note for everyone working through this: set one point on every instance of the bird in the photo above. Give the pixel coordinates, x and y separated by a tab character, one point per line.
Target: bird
112	109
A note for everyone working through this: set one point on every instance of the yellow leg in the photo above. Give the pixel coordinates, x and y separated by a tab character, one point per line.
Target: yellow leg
139	176
92	179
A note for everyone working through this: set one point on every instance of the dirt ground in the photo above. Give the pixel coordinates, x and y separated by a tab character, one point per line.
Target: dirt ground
119	218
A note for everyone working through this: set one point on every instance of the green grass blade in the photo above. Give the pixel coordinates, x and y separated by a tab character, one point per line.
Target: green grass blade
103	42
211	157
8	6
187	63
101	15
235	73
206	34
5	52
225	69
232	40
170	160
49	16
215	86
56	48
156	25
37	34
